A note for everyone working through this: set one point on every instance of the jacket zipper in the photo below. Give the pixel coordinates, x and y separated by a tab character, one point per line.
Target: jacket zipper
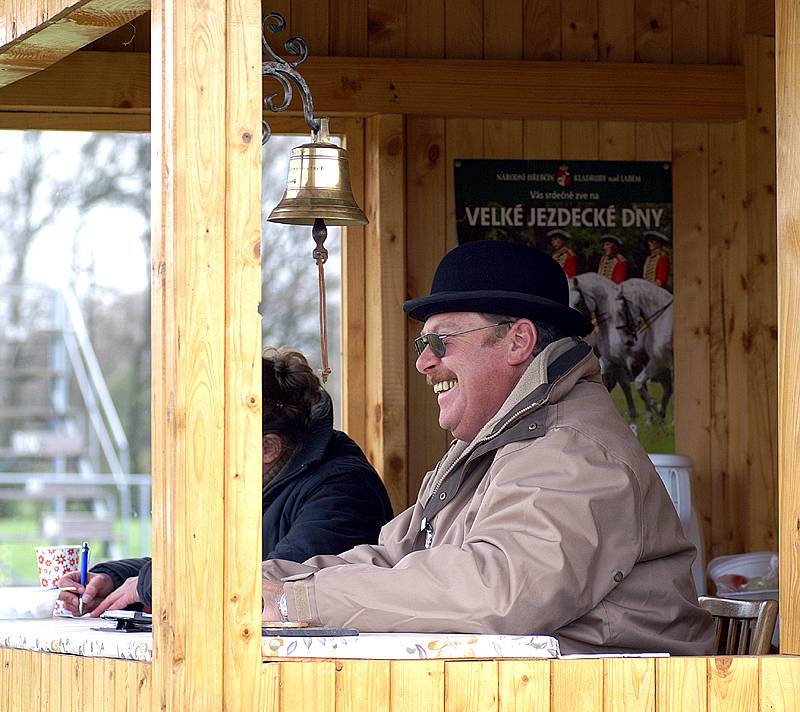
425	525
486	439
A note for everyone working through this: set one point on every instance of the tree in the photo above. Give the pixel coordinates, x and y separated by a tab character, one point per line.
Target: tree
58	180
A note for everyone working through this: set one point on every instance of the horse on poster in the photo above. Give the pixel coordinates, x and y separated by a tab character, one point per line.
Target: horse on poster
644	317
596	297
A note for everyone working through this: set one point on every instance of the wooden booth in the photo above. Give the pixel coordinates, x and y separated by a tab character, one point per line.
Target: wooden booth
412	86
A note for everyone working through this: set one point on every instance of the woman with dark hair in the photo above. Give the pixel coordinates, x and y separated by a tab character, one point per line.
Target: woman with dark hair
320	495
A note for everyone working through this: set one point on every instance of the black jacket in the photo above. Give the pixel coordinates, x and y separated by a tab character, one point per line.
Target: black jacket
326	500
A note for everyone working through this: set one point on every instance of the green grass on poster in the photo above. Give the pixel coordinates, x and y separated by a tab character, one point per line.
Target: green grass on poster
654	433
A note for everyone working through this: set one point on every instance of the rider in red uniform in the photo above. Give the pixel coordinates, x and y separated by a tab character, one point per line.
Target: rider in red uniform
656	266
613	264
562	253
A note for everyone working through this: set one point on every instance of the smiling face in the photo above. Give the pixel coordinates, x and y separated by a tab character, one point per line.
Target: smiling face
476	374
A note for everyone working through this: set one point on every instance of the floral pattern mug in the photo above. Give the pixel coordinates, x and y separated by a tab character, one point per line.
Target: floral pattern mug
54	562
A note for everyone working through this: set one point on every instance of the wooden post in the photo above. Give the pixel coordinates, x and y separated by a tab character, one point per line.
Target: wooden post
385	292
787	40
354	417
206	132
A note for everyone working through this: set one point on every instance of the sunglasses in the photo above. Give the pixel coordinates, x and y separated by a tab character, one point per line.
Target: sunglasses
436	341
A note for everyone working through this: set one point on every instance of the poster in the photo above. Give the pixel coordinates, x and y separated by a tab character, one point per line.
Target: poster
609	225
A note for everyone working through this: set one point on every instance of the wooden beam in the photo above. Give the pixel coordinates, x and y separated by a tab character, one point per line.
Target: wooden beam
67	121
19	18
59	33
85	82
242	386
385	291
354	308
359	86
787	65
519	89
206	399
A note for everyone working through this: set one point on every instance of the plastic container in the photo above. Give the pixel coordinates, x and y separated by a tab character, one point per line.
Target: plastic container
675	472
756	564
27	602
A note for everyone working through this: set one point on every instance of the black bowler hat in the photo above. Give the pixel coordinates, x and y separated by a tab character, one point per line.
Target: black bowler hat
497	277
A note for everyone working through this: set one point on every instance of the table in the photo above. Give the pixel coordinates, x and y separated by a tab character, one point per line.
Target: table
78	636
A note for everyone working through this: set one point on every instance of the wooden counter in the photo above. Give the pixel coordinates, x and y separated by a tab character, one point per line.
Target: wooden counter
110	670
31	682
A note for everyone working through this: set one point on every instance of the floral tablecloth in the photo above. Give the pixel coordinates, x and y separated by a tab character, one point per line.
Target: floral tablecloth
76	636
81	637
411	646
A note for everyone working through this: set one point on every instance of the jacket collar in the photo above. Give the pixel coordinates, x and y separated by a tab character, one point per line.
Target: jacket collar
549	377
312	450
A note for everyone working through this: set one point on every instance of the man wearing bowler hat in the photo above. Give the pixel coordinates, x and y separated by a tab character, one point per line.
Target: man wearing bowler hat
544	516
613	264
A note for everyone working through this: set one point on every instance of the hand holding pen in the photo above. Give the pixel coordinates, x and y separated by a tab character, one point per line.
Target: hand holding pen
84	573
98	587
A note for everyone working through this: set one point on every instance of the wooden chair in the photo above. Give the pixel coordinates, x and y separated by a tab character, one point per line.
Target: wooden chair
741	627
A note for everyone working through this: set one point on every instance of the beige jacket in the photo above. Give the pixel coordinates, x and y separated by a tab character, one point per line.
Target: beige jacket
551	521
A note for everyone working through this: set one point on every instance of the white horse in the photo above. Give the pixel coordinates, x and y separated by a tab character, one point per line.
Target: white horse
644	318
596	297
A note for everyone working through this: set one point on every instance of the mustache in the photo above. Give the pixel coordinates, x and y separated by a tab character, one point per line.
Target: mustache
439	376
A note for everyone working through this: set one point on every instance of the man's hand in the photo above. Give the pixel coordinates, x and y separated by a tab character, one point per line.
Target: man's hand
98	586
125	595
271	591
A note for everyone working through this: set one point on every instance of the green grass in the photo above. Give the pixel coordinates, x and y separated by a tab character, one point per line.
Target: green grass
18	558
656	436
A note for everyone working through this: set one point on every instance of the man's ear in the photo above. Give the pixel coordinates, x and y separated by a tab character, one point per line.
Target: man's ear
524	338
272	448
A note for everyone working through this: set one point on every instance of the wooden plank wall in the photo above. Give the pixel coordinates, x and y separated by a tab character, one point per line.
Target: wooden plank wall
788	103
725	338
724	210
66	683
724	195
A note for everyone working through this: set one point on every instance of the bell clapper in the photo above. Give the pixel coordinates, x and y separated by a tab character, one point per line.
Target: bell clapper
319	232
322	134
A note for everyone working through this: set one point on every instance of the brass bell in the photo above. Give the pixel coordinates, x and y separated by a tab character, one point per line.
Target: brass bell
318	191
318	186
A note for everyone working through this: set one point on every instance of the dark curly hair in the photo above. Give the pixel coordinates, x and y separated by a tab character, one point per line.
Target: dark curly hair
289	391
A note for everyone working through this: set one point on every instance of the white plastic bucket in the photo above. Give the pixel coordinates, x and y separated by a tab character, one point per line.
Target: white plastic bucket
675	472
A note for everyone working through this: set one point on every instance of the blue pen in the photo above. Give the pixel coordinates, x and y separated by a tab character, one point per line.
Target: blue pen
84	572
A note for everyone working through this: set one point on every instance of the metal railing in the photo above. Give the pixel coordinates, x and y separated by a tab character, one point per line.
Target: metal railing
32	309
32	484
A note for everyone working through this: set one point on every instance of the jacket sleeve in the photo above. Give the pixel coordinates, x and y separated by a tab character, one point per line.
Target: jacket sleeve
394	542
339	513
549	535
122	569
145	585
